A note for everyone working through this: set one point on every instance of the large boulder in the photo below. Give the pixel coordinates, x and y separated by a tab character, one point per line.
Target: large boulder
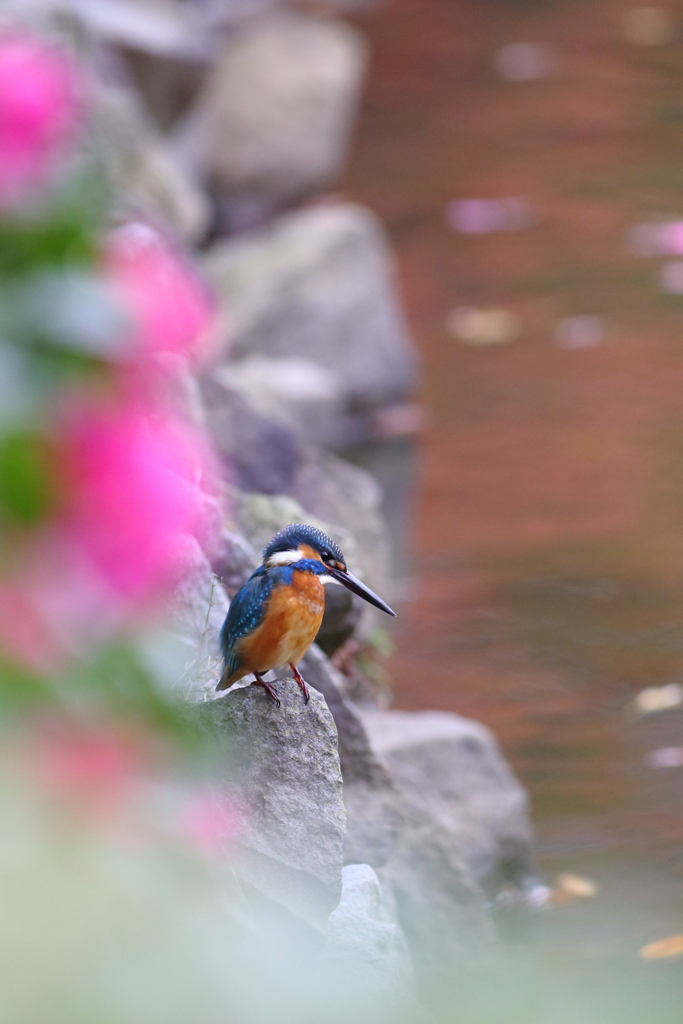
227	12
263	456
149	180
282	769
419	858
261	516
358	761
163	27
197	607
303	395
318	284
273	119
279	479
234	561
453	767
365	943
258	454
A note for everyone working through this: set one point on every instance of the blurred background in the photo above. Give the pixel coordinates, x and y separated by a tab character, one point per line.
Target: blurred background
410	271
526	159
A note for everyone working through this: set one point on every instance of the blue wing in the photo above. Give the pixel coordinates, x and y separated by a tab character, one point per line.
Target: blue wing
245	614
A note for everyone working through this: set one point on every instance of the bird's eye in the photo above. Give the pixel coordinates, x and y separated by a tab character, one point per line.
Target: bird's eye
326	556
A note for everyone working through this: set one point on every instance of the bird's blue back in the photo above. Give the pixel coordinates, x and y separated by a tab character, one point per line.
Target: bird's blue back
249	605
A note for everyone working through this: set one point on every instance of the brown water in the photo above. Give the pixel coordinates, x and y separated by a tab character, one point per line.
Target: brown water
549	535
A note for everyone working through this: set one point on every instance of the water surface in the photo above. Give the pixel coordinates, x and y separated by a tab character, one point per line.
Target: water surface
549	534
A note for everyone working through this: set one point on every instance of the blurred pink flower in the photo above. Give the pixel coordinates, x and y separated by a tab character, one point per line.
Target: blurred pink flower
209	821
70	758
670	238
171	307
131	494
25	638
40	111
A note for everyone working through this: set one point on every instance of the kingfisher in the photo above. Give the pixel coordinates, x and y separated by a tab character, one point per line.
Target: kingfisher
274	618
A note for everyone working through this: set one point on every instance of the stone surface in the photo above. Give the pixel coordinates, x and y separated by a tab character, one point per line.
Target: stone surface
340	621
365	943
281	480
318	284
453	766
358	761
227	12
162	27
235	560
258	454
180	389
148	177
155	183
304	395
197	608
274	118
261	516
419	858
420	861
337	492
282	769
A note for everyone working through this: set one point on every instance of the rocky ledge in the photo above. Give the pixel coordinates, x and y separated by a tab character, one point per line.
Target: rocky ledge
380	835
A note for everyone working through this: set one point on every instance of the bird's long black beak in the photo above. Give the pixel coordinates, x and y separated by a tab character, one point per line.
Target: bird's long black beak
356	587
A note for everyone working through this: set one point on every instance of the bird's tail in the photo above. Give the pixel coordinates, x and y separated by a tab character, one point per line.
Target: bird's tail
225	681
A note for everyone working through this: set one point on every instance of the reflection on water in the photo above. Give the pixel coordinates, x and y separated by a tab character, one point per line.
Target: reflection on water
549	563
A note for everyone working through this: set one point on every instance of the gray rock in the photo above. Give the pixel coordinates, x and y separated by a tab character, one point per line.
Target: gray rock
197	608
453	767
220	13
148	178
318	284
358	761
261	516
162	27
180	389
283	770
340	621
364	943
337	492
419	858
235	560
264	456
395	464
284	480
274	117
258	454
305	396
155	183
228	12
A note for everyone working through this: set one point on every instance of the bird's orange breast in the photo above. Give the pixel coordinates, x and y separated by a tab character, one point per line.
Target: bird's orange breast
289	626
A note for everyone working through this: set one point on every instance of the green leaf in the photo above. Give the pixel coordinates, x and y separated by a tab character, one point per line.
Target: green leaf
26	245
27	480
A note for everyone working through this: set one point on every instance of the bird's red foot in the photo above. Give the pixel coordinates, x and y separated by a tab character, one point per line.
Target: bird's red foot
301	682
268	687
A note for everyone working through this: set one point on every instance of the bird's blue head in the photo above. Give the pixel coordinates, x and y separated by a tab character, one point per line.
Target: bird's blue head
306	544
300	541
